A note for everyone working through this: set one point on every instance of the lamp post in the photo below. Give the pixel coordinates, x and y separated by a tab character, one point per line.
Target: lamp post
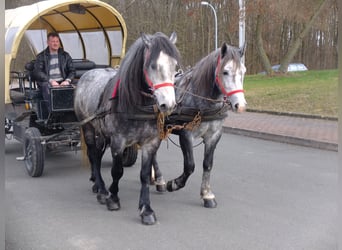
212	7
242	25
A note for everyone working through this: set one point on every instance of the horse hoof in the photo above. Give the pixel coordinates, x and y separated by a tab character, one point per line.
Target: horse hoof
95	189
113	205
101	198
147	215
210	203
148	219
161	188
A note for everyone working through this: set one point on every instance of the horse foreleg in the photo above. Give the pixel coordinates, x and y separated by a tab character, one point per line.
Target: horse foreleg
113	201
206	194
146	213
185	140
157	177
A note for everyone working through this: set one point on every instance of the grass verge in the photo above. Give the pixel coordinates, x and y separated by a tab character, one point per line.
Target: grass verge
310	92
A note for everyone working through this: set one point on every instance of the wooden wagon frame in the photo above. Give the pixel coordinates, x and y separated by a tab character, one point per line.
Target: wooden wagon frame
93	32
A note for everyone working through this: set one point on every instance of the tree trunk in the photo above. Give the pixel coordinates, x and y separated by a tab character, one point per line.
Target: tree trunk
260	46
298	41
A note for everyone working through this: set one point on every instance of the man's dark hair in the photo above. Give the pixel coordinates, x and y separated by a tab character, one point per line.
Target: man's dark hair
53	34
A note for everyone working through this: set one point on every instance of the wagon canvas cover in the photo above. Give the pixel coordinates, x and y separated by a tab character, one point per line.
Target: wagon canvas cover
89	29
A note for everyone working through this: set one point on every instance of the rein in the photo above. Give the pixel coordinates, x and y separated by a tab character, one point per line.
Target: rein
99	113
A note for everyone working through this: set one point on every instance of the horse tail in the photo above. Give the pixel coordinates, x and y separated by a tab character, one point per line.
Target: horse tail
85	160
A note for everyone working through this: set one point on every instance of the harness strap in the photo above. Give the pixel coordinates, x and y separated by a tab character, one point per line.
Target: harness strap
186	114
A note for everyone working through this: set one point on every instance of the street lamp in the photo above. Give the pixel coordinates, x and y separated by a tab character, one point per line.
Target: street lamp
212	7
242	26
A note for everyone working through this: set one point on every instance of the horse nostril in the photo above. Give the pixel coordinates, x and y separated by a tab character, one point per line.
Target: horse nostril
239	108
163	107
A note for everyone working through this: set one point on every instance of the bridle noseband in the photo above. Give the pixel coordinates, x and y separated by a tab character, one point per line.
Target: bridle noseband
219	82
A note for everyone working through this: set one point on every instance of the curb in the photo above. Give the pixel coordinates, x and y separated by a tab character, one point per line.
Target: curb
282	138
321	117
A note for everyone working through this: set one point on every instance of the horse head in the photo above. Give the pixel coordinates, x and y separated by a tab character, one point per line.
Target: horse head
229	76
160	61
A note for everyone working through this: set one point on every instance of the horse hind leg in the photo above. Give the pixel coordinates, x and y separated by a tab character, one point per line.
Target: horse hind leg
99	187
95	154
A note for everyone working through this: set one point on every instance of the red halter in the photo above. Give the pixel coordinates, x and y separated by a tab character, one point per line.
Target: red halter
219	82
152	86
148	80
156	86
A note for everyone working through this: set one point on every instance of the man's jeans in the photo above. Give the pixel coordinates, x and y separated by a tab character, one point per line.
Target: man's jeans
45	88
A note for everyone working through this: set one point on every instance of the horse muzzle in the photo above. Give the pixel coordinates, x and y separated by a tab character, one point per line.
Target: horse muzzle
165	108
166	99
238	102
238	108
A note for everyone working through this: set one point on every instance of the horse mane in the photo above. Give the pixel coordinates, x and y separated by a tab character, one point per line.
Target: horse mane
203	73
131	71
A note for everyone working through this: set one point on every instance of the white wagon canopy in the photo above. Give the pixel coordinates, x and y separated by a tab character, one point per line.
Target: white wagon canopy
89	29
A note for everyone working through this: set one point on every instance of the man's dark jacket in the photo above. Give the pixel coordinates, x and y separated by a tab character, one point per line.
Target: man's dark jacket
41	66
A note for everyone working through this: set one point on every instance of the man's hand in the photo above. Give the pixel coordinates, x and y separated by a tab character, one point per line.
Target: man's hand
65	83
54	83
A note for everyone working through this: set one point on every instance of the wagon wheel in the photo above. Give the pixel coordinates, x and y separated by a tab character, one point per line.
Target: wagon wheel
130	155
34	152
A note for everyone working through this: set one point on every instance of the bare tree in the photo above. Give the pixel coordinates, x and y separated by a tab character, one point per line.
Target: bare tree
277	31
260	46
298	40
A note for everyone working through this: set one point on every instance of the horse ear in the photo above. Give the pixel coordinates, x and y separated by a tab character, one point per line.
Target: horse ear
243	49
146	39
224	49
173	37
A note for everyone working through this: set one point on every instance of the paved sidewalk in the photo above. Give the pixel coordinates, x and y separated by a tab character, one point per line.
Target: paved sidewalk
304	131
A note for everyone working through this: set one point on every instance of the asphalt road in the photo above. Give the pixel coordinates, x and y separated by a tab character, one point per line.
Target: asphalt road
270	196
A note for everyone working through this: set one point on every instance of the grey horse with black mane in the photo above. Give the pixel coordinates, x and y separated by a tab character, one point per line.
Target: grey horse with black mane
122	106
204	94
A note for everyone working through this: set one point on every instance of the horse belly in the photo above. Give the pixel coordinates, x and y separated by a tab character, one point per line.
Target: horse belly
126	133
208	129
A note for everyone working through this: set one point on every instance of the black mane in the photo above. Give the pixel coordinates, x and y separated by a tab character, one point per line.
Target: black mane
131	72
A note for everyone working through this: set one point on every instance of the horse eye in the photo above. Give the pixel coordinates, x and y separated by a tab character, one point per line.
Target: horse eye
225	73
153	66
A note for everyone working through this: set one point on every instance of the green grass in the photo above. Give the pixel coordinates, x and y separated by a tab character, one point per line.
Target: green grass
310	92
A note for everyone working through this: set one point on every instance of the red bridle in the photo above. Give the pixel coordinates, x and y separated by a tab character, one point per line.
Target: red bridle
152	86
148	80
219	82
156	86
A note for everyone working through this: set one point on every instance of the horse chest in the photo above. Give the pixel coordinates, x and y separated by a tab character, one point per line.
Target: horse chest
207	129
132	131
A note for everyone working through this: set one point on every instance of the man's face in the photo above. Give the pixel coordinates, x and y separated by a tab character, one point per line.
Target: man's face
53	43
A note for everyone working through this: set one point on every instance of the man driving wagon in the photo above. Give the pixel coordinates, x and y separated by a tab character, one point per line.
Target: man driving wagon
53	67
